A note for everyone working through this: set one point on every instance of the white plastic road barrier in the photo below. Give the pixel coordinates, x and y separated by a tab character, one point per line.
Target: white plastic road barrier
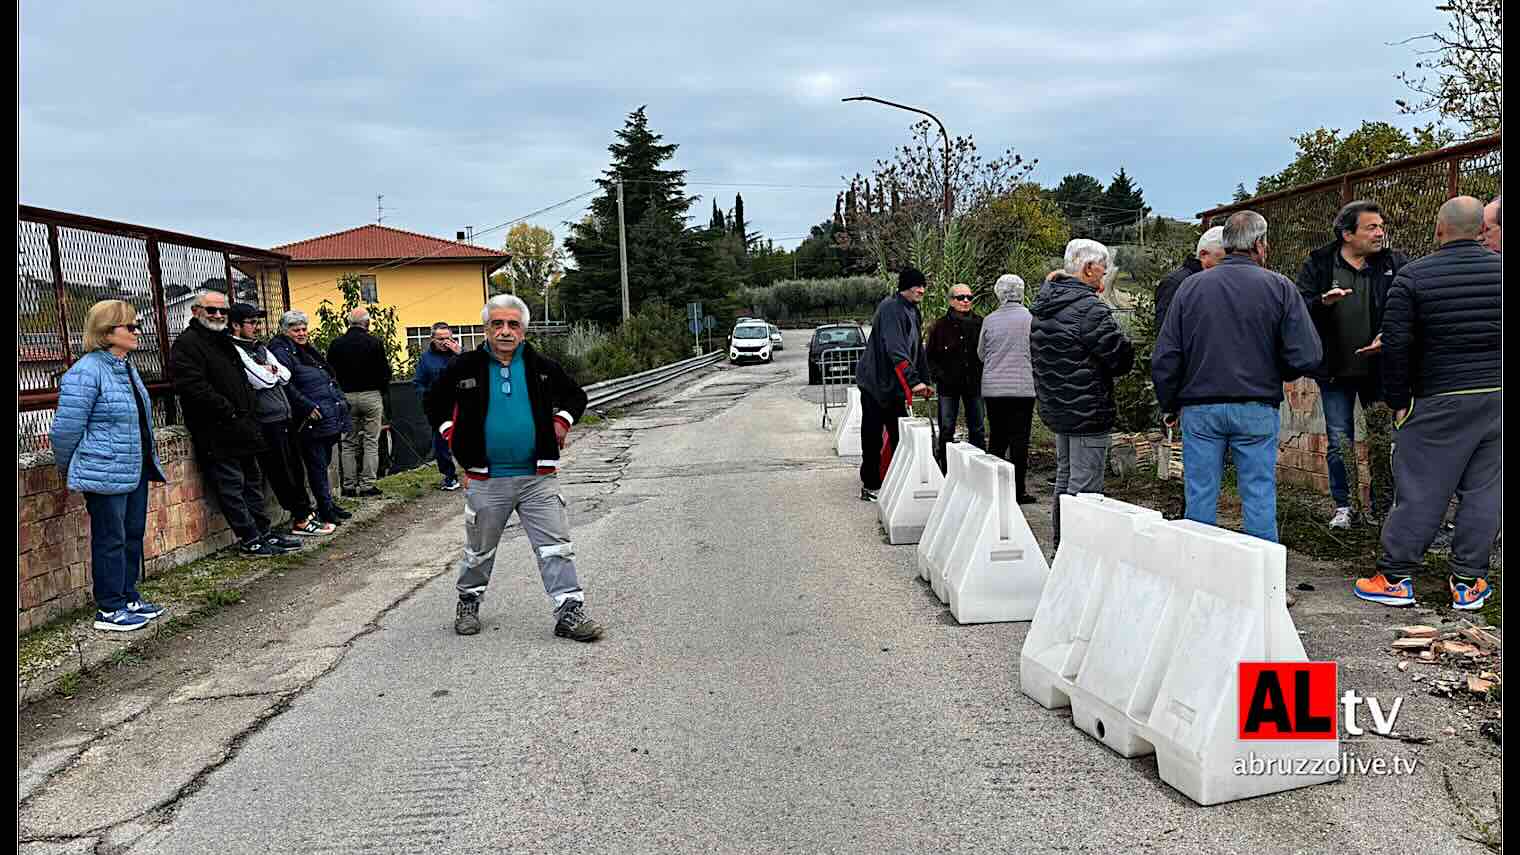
907	510
847	438
997	569
1142	628
939	522
947	534
899	471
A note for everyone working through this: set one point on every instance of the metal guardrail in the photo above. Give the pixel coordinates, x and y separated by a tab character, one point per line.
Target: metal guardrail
607	391
836	373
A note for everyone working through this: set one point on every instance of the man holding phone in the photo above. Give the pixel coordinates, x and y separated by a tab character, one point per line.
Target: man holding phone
1345	284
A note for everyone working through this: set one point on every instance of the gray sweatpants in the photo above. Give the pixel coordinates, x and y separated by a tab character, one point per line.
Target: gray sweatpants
1448	444
488	504
1080	462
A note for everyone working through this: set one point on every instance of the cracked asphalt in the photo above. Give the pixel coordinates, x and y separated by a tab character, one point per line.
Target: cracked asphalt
774	679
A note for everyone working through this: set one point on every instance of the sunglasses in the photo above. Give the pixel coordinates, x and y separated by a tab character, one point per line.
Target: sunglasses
213	310
506	382
964	298
131	328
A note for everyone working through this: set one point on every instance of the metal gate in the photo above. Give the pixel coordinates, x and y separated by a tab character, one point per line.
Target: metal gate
836	372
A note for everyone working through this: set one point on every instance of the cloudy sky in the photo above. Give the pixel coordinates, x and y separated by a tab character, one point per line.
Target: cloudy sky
281	121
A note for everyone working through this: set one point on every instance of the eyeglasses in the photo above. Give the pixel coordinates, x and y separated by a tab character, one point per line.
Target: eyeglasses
965	298
214	310
506	382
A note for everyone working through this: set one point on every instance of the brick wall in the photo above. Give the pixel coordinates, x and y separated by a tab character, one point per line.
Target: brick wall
54	532
1302	442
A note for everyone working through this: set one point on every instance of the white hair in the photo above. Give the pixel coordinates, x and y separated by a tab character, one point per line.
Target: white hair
1082	252
293	318
202	293
1243	230
1212	240
359	317
506	301
1009	288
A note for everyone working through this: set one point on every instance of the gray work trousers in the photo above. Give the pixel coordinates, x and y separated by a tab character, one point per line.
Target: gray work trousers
1448	444
489	503
1080	462
367	410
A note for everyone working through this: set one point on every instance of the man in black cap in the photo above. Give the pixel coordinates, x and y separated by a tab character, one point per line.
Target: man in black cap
890	373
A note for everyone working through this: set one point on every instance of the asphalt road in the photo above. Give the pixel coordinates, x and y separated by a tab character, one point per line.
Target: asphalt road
774	679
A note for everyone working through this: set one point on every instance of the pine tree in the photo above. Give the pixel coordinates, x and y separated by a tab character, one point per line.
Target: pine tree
1123	205
739	224
717	224
1240	193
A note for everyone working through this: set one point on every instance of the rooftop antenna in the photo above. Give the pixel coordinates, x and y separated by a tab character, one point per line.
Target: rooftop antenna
379	208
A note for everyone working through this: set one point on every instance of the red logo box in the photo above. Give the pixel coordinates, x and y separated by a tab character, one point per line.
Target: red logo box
1288	700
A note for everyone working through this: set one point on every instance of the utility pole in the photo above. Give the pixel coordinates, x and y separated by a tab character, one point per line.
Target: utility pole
623	250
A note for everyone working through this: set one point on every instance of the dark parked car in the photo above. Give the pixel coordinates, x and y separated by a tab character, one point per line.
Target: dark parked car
832	337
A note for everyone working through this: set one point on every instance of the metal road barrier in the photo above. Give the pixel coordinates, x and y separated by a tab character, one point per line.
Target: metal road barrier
837	374
608	391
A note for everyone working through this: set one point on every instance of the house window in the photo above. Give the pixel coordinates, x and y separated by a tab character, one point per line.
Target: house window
368	292
469	337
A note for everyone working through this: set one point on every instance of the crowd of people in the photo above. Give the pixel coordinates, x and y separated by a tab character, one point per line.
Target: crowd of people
1366	323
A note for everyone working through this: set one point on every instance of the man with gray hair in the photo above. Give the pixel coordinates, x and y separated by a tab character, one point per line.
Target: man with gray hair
1209	253
505	410
1493	225
1233	335
364	373
1008	378
1078	352
1443	376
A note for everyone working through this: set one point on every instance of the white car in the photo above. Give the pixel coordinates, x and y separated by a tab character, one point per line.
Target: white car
777	343
750	342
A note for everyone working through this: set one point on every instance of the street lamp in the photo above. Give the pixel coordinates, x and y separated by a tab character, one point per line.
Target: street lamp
942	132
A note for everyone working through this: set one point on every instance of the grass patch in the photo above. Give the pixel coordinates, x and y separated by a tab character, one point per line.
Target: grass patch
589	419
40	647
411	484
68	684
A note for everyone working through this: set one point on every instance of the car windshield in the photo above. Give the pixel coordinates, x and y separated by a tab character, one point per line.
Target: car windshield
839	336
751	332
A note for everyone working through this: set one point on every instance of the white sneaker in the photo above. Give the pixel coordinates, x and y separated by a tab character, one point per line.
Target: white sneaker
1342	518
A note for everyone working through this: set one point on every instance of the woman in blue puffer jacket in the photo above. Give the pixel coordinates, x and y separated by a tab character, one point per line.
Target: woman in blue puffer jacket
319	412
102	438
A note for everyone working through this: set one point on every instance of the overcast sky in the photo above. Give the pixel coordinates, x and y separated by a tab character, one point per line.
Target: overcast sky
278	122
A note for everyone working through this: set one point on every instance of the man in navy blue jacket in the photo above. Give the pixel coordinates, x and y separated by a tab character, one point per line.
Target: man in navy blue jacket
889	374
439	353
1233	335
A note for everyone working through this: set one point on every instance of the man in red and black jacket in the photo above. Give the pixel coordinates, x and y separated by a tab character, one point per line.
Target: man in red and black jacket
505	411
890	373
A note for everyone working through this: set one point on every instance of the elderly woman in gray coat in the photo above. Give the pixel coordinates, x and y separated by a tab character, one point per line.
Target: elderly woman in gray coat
1008	378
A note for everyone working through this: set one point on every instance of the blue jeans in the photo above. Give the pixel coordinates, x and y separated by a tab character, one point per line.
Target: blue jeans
976	422
444	456
117	524
1338	399
1249	432
316	456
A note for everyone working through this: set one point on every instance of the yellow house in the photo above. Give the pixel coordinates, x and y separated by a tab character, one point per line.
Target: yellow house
426	279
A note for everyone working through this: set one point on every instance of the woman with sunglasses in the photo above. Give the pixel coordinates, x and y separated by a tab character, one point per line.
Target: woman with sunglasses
102	442
956	370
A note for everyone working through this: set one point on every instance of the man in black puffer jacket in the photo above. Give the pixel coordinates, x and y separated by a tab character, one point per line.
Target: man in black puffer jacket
1442	344
1077	351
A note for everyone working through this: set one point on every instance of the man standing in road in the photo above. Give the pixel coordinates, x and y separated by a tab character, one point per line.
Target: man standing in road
505	411
1345	284
441	350
956	370
364	372
1210	252
890	373
1443	376
1078	351
1233	335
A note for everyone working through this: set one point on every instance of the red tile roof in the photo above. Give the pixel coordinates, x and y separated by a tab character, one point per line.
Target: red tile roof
376	242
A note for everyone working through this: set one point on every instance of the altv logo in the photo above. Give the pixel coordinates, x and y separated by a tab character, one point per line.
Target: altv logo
1298	700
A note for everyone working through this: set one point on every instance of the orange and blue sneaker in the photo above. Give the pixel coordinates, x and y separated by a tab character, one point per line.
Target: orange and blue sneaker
1380	590
1468	595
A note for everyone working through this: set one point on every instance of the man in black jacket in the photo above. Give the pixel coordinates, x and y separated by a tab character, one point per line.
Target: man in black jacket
505	411
1345	284
1443	376
889	374
957	371
1077	350
364	373
1210	252
1233	335
219	410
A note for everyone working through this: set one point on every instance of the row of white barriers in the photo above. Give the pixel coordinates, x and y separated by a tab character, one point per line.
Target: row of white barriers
1140	626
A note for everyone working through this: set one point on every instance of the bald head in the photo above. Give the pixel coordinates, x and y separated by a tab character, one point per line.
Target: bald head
1493	224
1460	218
359	318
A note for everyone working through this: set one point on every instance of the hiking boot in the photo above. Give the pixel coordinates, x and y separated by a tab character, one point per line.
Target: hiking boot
1342	518
1468	595
867	494
467	616
121	620
1379	589
571	621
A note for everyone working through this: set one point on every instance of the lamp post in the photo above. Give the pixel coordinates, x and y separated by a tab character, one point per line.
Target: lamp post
942	132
